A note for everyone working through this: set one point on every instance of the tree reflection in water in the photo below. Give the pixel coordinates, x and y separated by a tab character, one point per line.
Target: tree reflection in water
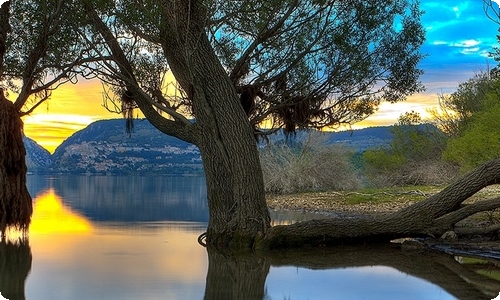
243	276
15	265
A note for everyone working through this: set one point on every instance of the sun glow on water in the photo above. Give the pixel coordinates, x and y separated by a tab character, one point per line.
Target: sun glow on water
51	216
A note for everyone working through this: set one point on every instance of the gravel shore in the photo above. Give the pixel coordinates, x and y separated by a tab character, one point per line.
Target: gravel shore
377	202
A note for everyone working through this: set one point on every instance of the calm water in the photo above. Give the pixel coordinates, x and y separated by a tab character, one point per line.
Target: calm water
136	238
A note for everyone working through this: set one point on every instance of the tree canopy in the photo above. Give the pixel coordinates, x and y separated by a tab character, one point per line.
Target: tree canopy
293	64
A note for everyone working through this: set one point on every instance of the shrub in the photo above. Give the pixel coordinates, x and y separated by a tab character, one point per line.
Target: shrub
307	166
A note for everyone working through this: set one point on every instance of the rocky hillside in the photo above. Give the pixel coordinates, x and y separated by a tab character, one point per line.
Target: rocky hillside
104	147
38	159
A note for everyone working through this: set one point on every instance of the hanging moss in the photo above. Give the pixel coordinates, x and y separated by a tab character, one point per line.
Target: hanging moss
16	205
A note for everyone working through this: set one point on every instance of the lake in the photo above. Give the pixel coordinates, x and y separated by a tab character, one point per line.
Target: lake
99	237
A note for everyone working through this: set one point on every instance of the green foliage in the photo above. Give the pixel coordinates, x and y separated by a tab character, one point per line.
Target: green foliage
304	63
412	157
415	140
471	97
471	117
383	160
479	142
43	50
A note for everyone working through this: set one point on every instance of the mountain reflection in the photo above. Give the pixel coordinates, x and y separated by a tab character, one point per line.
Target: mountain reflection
130	198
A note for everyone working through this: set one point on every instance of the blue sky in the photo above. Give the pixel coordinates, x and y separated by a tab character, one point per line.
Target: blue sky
459	37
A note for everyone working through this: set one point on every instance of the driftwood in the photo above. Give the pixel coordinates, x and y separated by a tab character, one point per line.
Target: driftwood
431	217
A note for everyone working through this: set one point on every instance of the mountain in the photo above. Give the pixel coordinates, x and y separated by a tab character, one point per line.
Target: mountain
359	140
104	147
38	159
362	139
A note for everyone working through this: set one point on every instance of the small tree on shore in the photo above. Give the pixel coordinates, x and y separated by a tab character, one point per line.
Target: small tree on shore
413	157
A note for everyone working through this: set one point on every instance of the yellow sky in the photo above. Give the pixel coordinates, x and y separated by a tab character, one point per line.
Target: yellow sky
74	106
70	108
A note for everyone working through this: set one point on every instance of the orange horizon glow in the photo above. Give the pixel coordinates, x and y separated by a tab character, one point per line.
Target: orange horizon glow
72	107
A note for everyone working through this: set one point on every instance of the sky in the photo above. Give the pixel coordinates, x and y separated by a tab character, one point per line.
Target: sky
459	37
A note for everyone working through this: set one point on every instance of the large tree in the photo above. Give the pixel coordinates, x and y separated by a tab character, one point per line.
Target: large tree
239	64
289	64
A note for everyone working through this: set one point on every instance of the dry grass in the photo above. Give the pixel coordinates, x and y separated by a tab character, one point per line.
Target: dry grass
312	167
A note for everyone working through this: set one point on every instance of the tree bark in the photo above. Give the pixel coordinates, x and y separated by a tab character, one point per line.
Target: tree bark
16	204
239	218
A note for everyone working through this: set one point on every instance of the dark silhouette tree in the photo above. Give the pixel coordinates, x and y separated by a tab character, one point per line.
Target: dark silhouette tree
38	52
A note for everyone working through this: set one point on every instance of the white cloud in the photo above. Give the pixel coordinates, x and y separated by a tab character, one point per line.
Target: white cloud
497	297
470	50
466	43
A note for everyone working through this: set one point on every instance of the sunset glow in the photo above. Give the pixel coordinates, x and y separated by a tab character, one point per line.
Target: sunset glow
71	108
50	215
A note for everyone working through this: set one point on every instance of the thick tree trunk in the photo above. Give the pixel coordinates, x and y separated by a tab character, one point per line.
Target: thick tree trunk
239	218
222	131
238	211
15	201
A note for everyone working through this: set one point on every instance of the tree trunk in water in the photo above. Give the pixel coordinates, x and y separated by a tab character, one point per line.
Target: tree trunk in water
235	186
16	204
238	212
235	276
222	131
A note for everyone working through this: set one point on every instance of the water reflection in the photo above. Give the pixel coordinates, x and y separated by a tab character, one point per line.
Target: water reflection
83	249
15	264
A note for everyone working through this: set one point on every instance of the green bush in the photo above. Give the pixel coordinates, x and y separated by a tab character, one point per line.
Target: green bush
479	142
413	157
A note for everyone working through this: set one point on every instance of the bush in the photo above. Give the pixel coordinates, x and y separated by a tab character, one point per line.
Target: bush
308	166
413	158
479	142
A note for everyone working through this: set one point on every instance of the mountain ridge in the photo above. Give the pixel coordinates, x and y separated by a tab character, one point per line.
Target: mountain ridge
104	147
